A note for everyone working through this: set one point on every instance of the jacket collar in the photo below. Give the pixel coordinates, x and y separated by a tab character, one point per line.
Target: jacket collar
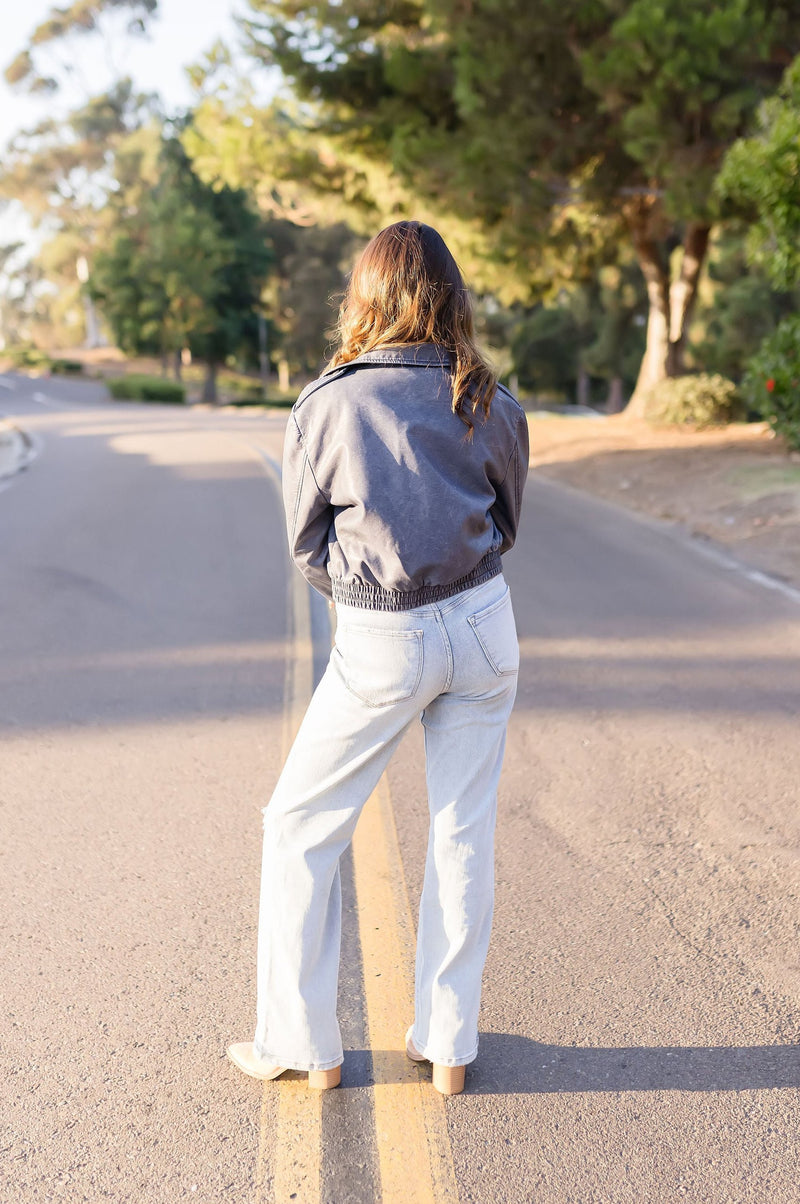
422	354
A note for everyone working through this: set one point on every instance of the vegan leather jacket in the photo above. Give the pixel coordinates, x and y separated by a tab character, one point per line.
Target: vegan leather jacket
388	505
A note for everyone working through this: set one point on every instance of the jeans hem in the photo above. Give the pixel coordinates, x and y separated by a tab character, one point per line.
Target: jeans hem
299	1064
457	1061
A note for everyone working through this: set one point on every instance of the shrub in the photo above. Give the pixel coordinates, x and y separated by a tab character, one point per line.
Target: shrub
146	388
772	382
699	401
65	367
28	356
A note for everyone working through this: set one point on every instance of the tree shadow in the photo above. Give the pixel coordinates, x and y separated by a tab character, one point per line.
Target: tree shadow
135	590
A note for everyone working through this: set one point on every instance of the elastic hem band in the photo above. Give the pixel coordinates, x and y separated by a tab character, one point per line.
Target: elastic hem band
375	597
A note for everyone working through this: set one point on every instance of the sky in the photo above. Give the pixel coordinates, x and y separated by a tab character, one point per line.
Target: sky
180	34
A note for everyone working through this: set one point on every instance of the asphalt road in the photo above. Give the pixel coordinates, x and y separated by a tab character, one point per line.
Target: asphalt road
642	995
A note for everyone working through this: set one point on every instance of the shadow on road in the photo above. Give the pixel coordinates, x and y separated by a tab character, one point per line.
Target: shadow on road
509	1064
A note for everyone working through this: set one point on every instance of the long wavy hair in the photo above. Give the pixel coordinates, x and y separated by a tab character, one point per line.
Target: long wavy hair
406	287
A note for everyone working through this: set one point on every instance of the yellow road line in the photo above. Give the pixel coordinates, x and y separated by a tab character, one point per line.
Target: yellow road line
296	1170
414	1153
297	1163
416	1161
289	1161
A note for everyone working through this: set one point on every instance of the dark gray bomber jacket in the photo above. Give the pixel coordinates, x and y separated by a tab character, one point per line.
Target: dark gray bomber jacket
388	505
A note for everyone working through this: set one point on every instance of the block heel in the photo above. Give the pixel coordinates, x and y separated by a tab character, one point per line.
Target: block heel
323	1080
449	1080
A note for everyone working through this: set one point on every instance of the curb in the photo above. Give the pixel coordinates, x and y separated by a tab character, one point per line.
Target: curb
17	449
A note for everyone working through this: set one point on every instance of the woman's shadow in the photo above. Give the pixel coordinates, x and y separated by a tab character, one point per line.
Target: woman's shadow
509	1064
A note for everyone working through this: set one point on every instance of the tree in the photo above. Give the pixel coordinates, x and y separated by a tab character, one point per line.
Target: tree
761	176
539	132
185	268
737	307
308	271
63	171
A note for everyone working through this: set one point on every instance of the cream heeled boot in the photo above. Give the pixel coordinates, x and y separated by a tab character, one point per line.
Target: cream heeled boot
243	1056
448	1080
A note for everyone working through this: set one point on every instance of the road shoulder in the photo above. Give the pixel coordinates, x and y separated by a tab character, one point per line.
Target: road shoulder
737	487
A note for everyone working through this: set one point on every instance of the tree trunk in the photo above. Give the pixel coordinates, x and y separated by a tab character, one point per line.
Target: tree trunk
283	375
683	292
615	402
582	390
164	363
263	353
669	302
656	277
177	365
210	384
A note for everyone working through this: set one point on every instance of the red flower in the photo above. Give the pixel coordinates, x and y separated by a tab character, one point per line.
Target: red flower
770	384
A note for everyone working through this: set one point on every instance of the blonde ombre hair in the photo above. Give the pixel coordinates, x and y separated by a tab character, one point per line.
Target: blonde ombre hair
406	288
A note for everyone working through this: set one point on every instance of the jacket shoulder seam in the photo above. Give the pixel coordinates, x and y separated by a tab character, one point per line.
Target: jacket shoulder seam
507	393
318	384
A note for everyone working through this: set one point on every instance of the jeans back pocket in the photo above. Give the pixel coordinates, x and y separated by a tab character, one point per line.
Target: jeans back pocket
380	667
497	635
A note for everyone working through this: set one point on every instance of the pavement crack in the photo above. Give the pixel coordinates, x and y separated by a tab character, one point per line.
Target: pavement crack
687	940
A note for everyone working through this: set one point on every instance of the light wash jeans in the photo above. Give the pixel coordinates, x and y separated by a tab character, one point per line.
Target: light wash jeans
454	663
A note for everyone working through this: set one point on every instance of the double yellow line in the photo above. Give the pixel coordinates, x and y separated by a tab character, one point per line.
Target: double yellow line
413	1146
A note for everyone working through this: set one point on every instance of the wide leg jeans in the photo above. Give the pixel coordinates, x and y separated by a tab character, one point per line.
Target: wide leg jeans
454	664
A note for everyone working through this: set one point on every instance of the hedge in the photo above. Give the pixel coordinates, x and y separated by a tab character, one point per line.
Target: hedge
146	388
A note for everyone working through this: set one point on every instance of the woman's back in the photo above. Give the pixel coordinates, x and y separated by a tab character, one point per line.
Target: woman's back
391	503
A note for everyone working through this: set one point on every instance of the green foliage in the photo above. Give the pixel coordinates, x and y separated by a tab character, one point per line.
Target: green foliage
772	383
310	264
678	80
698	401
146	388
184	268
27	356
538	137
737	308
66	367
544	351
72	176
761	175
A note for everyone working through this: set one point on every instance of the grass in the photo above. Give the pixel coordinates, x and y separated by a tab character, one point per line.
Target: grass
759	480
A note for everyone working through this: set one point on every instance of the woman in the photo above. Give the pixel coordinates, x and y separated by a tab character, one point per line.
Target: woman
404	466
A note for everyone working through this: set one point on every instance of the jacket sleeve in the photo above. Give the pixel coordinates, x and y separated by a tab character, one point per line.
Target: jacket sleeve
309	514
508	492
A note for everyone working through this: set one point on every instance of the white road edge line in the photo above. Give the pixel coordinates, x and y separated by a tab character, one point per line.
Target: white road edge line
679	532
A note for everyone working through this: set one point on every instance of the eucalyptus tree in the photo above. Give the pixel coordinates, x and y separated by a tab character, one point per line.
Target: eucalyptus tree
63	170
